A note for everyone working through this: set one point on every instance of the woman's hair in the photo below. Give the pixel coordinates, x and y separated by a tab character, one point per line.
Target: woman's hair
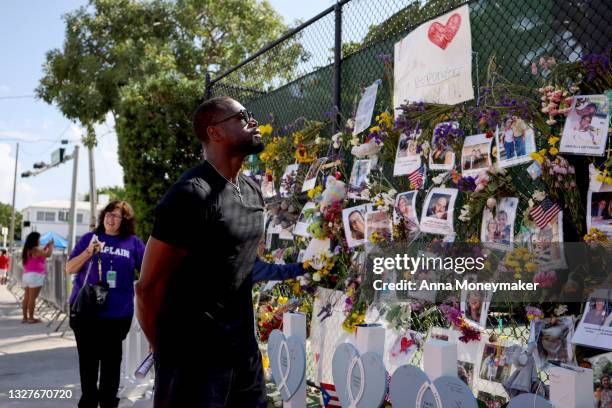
31	242
127	227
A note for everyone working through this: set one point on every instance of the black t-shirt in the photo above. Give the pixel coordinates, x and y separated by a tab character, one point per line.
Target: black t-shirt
208	309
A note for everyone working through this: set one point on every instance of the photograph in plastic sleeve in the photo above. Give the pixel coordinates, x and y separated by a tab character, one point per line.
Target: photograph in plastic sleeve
437	215
515	141
475	306
407	158
310	181
288	181
465	372
496	362
476	154
267	186
546	244
401	348
304	220
586	126
497	229
359	178
378	225
552	337
599	215
405	210
354	221
442	156
594	329
602	379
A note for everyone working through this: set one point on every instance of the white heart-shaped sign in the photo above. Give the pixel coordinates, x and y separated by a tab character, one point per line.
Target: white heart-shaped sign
360	380
287	362
410	387
529	400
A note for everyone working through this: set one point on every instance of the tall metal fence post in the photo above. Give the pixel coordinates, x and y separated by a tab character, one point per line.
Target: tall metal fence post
207	90
338	62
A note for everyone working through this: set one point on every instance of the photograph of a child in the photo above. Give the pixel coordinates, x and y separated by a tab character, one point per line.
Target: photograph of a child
405	210
497	229
586	127
475	305
515	142
359	177
552	338
442	156
496	363
267	186
377	222
476	154
490	400
310	181
602	385
354	222
438	208
288	181
600	211
597	312
407	159
595	327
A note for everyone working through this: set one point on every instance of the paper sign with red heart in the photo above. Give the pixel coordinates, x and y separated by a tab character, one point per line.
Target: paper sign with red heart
442	35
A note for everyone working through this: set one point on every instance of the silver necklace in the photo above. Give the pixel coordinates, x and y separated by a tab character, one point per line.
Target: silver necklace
236	185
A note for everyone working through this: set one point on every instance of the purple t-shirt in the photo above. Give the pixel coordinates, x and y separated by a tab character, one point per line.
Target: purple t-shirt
125	256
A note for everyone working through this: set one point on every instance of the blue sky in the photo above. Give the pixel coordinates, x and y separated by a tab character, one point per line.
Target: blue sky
30	28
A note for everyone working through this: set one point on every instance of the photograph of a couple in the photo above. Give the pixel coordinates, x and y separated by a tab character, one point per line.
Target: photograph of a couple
515	141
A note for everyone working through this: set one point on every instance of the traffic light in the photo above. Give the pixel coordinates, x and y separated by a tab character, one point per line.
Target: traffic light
39	165
26	174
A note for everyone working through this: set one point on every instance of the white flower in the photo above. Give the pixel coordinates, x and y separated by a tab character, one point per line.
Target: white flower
530	203
365	149
392	192
465	211
318	140
560	310
355	141
539	195
316	277
350	123
365	194
439	178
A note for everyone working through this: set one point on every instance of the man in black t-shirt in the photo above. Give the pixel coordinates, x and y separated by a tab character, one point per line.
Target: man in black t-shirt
194	295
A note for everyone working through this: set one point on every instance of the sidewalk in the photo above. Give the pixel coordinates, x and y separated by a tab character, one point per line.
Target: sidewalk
31	359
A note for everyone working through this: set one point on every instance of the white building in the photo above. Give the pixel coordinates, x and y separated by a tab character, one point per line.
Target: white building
53	215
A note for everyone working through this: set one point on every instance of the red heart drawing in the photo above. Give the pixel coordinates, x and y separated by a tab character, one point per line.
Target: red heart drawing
316	357
442	35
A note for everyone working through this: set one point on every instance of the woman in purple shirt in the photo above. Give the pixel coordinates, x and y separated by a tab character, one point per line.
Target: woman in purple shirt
99	339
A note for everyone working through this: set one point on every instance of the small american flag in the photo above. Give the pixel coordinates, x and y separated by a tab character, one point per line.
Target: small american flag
544	212
328	395
416	177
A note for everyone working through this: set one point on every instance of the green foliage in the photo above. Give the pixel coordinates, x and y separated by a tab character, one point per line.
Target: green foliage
114	193
144	62
5	220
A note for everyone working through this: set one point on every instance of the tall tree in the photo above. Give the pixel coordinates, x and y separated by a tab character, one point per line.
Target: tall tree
144	62
5	220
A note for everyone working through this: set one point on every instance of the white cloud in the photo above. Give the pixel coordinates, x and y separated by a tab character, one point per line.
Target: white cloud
4	89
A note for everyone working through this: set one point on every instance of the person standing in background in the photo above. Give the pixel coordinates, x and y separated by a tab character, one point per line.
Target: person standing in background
4	266
33	258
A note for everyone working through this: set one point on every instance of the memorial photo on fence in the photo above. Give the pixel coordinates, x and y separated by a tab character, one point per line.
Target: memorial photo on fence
465	371
267	186
497	229
354	223
496	362
600	211
437	215
405	210
545	243
602	383
476	154
491	400
378	225
475	306
442	156
552	338
359	178
595	327
310	181
515	142
586	126
289	181
304	220
407	157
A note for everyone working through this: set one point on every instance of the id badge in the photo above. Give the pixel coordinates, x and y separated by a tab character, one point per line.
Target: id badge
111	278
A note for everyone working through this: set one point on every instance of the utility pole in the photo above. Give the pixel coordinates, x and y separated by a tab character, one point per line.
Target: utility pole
12	229
92	188
73	194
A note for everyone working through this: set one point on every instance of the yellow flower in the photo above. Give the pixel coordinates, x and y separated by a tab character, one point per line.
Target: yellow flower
553	140
296	289
282	300
265	130
553	151
375	129
306	264
265	361
386	119
530	267
537	157
312	193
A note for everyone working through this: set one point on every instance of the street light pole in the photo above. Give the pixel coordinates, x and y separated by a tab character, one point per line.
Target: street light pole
73	194
12	229
92	188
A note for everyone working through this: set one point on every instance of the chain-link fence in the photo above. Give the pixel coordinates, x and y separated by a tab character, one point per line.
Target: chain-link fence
322	66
